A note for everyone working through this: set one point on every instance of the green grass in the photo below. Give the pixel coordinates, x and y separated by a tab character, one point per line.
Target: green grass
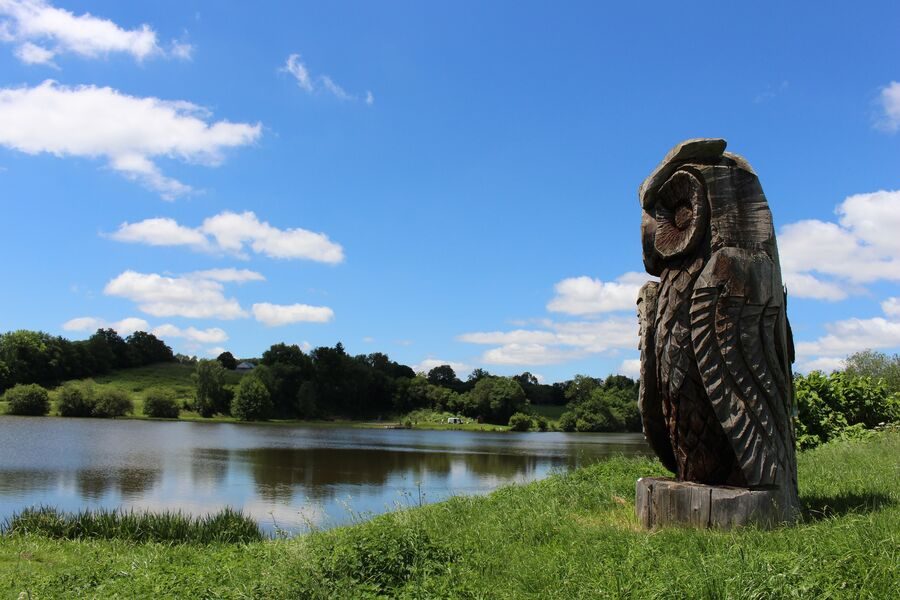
572	535
226	526
551	411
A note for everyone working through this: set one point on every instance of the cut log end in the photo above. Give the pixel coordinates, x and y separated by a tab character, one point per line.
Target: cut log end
662	502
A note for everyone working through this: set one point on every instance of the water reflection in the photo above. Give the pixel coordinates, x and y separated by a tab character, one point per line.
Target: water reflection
294	476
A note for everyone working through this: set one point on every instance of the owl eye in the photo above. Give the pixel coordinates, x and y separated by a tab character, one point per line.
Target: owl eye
681	214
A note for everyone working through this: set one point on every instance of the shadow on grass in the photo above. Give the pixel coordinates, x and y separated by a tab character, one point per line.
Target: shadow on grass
823	507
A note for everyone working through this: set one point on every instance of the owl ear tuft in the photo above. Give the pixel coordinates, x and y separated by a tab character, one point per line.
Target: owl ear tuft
703	150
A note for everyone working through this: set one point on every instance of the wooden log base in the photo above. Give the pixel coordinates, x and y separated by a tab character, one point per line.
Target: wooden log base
661	502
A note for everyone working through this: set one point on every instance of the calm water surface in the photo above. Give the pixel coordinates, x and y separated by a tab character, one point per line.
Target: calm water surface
295	477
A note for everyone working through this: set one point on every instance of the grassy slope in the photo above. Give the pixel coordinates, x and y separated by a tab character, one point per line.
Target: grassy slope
570	536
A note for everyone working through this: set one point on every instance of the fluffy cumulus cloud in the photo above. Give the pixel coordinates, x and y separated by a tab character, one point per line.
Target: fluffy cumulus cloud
185	296
586	296
827	260
320	84
92	324
213	335
273	315
129	132
555	342
42	31
234	233
890	106
845	337
631	367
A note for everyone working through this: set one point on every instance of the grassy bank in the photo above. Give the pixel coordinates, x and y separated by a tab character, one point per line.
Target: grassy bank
570	536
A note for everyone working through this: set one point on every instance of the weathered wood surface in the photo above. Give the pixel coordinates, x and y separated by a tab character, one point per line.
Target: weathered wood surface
661	502
716	393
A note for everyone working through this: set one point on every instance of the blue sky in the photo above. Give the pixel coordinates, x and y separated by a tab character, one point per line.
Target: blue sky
445	183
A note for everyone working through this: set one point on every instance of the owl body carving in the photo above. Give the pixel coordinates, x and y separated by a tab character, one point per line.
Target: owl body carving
716	393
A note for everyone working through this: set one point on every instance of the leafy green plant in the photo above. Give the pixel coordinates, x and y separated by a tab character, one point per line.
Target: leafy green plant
31	400
252	401
520	422
112	402
161	404
76	399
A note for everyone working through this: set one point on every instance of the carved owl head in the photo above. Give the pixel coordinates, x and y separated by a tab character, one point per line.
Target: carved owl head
701	195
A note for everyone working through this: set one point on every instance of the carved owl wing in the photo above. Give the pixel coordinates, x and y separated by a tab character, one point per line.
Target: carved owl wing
739	336
649	402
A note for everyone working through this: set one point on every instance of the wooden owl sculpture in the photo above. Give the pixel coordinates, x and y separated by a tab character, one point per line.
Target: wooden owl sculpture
716	394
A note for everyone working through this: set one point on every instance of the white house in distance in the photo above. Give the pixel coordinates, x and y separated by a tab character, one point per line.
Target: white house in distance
244	367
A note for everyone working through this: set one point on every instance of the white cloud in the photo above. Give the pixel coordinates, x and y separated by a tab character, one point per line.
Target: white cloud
212	335
828	261
323	83
891	307
233	233
160	232
232	230
630	368
32	54
890	105
163	296
528	354
60	31
128	131
849	336
586	296
852	335
296	68
557	342
215	351
462	370
273	315
92	324
228	275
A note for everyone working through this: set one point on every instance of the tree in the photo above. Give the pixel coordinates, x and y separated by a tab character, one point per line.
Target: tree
495	399
444	376
520	422
159	403
30	400
252	401
211	395
147	349
227	360
876	365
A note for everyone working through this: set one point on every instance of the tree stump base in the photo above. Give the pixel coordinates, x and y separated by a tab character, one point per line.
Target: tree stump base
663	501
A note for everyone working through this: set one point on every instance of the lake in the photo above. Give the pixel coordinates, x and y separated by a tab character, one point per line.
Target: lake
292	477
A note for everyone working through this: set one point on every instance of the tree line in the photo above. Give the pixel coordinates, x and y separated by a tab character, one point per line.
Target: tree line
36	357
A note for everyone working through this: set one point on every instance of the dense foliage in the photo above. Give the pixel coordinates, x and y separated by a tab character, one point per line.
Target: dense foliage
38	357
841	404
876	365
252	402
159	403
31	400
211	396
75	399
112	402
601	405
